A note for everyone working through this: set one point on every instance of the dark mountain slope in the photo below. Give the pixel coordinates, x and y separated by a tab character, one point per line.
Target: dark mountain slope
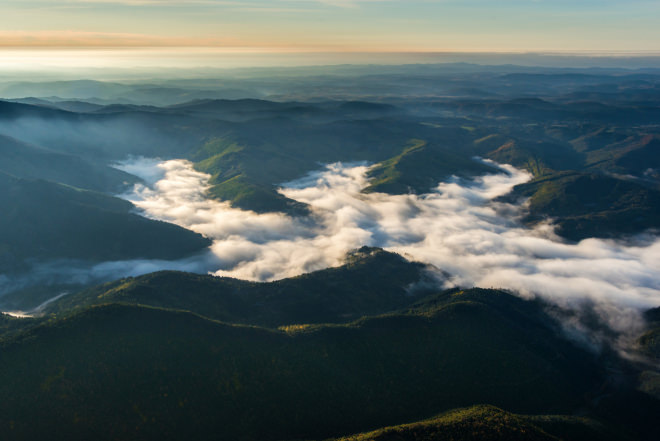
488	423
44	220
536	156
120	372
12	325
645	159
420	167
29	161
250	159
14	110
649	345
104	136
591	205
371	282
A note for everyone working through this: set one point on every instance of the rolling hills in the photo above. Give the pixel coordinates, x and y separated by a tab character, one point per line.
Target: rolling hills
28	161
119	371
45	220
375	349
490	423
372	281
419	168
586	205
146	358
251	146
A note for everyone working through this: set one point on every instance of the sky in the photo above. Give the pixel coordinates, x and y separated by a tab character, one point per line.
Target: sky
335	25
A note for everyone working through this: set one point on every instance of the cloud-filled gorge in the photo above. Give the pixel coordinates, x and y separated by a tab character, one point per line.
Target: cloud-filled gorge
458	228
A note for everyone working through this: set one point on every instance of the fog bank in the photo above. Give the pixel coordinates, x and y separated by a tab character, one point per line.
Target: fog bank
458	228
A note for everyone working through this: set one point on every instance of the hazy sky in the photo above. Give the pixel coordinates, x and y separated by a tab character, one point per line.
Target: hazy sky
336	25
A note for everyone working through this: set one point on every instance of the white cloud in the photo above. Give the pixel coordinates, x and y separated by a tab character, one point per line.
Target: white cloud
457	228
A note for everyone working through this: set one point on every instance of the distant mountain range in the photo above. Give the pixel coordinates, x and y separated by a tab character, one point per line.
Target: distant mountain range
374	349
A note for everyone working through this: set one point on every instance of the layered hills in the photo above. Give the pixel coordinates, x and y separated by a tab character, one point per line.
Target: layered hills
126	368
490	423
147	358
45	220
251	146
375	349
27	161
586	205
371	282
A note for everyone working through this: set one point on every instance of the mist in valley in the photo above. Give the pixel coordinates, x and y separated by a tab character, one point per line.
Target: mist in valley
315	219
460	229
466	235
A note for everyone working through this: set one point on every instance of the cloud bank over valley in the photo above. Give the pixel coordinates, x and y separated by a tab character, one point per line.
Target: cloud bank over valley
459	229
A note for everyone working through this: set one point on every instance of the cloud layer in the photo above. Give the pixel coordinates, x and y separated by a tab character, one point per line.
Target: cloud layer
458	228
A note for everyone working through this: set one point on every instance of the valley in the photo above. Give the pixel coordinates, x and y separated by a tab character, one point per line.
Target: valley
452	251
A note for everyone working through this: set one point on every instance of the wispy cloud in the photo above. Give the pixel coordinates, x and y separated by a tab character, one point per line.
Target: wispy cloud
258	4
84	39
276	5
146	2
457	228
351	4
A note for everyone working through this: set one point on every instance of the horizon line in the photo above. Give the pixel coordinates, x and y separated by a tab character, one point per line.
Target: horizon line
292	50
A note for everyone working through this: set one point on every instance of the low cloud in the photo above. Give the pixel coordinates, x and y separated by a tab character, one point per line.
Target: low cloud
458	228
80	272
